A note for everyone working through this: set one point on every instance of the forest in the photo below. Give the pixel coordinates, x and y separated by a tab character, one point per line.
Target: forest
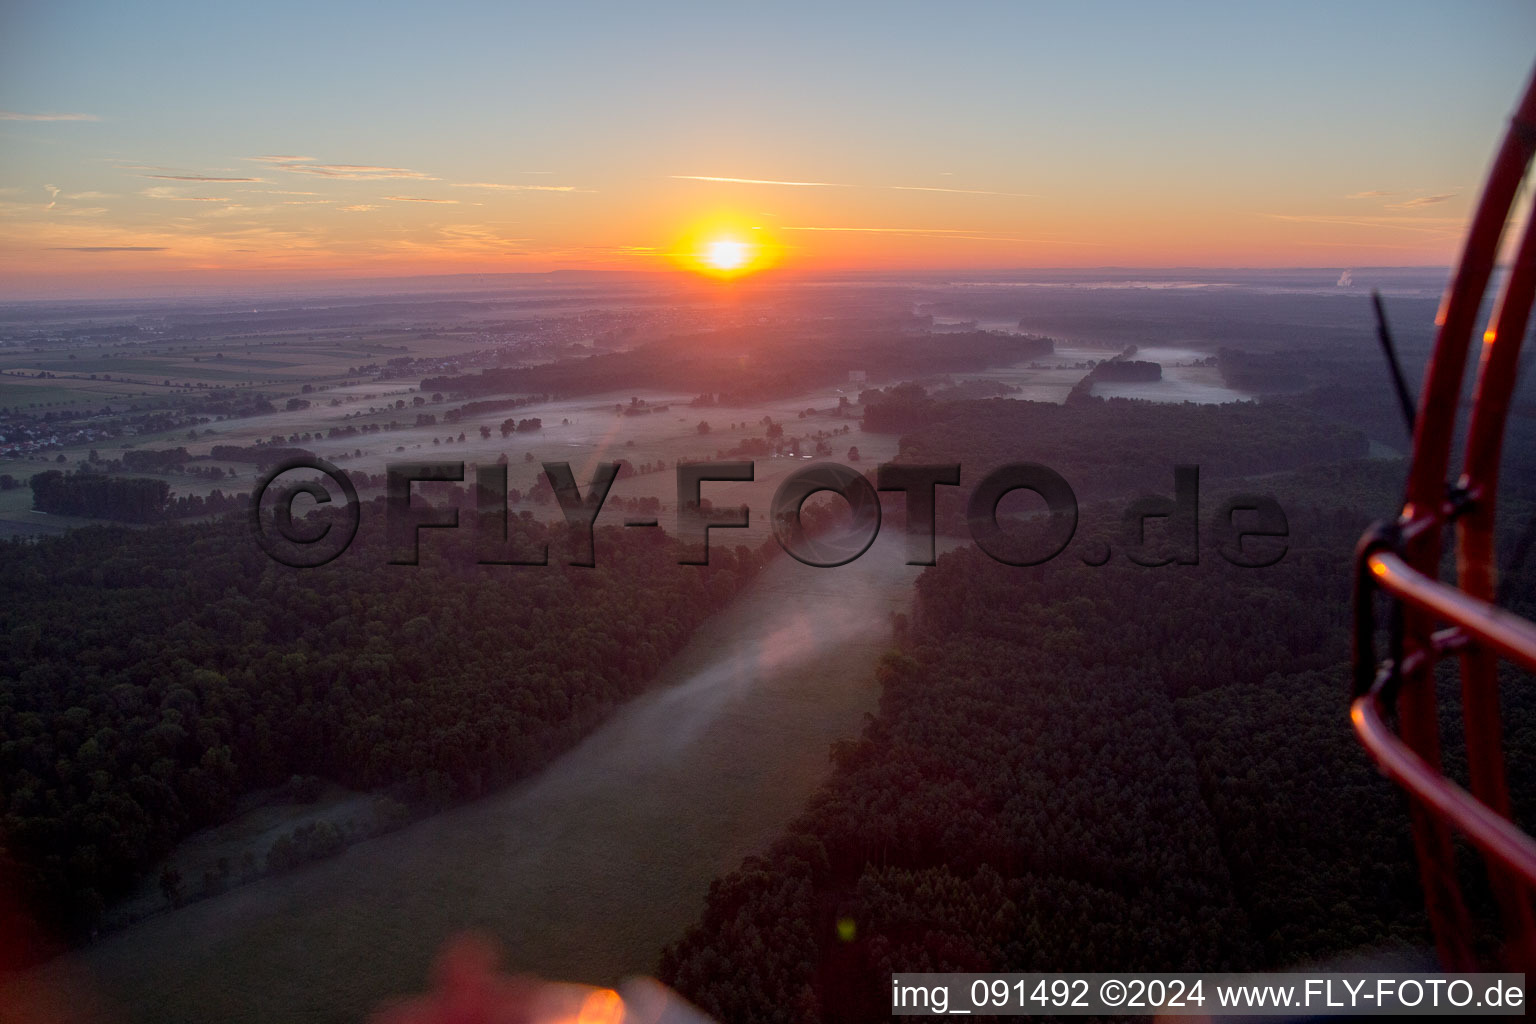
1080	768
149	678
747	366
121	499
1104	448
1098	441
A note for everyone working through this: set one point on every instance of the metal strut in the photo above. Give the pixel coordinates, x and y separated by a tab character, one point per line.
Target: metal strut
1439	619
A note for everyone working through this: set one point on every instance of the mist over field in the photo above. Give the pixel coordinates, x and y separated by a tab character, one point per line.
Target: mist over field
320	871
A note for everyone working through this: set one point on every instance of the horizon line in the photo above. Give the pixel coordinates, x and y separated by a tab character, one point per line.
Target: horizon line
205	288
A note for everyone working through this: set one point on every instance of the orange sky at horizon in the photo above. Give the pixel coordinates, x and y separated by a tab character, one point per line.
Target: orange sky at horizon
781	228
886	139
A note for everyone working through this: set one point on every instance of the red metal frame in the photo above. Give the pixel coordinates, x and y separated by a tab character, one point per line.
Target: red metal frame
1404	562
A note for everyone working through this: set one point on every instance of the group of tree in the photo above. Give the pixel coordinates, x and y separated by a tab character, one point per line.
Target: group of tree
98	496
527	425
124	499
261	455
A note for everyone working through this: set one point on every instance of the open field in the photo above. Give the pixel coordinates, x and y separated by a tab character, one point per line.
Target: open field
162	361
594	433
586	430
39	394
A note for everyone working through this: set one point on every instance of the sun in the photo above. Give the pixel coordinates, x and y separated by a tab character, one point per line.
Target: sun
725	246
727	254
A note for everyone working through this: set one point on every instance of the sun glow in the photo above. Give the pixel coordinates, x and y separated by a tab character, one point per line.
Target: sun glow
725	246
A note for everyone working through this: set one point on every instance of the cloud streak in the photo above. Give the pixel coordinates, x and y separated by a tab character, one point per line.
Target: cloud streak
966	234
843	184
1420	201
966	191
347	172
1417	202
420	199
1447	227
108	248
11	115
520	188
891	231
764	181
196	177
165	192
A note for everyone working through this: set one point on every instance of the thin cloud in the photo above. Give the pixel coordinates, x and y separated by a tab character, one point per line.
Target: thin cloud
1441	226
764	181
1368	245
358	208
232	210
419	199
356	172
891	231
196	177
466	238
11	115
1418	201
53	206
1374	193
967	234
967	191
843	184
520	188
109	248
164	192
348	172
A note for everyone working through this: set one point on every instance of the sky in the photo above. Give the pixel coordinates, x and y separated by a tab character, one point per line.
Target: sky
154	143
